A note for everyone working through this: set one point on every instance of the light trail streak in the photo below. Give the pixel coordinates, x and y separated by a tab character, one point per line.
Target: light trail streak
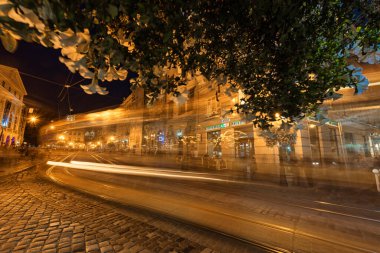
136	167
231	216
130	171
152	172
133	170
345	206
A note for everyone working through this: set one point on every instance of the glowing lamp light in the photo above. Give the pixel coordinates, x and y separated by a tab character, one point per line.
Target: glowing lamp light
61	137
312	125
33	119
277	115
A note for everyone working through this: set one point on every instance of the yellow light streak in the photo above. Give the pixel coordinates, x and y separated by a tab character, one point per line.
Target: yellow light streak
130	170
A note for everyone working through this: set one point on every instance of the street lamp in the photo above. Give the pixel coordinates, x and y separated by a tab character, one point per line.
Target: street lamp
33	119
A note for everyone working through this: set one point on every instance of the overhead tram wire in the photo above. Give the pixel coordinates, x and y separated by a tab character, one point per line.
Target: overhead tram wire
41	78
68	99
63	87
67	93
67	79
59	95
44	79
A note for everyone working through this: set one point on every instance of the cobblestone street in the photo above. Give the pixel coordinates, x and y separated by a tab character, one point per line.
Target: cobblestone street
39	216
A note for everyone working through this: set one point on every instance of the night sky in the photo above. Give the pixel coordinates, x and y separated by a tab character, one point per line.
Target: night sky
43	62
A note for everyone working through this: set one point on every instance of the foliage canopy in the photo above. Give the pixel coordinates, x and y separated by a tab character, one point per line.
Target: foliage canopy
286	56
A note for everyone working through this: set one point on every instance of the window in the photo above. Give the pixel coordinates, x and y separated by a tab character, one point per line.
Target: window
212	107
15	124
190	102
7	109
182	108
333	141
171	110
349	142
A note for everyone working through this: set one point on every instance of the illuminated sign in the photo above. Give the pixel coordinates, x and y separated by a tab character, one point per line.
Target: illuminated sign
238	123
215	127
332	123
225	120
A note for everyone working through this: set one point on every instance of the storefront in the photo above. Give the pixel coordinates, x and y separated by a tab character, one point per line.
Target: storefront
243	138
214	140
214	146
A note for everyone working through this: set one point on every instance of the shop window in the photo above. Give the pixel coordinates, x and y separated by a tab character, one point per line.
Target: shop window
367	151
349	143
244	144
334	141
214	147
314	143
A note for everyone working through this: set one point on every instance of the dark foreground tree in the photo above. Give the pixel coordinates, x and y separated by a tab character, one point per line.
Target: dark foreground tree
286	56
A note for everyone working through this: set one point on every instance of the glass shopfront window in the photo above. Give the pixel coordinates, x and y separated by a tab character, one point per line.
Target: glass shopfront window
214	147
244	144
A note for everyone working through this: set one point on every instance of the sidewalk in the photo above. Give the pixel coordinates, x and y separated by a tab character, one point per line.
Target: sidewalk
13	164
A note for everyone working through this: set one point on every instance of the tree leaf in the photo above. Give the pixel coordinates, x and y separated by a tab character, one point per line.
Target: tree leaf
112	10
9	43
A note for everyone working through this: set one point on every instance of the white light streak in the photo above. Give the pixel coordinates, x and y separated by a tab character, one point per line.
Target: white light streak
130	170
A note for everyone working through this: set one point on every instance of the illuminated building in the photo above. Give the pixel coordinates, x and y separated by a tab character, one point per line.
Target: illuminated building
200	126
12	109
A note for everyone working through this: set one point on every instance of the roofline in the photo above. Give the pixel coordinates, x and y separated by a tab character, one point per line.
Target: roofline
18	77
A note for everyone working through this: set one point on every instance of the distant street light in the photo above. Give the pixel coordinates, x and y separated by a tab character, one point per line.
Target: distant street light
33	119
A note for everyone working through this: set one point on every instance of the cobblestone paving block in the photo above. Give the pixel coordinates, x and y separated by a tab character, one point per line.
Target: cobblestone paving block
39	216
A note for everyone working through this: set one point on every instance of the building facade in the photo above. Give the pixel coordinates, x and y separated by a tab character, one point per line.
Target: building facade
12	109
202	127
